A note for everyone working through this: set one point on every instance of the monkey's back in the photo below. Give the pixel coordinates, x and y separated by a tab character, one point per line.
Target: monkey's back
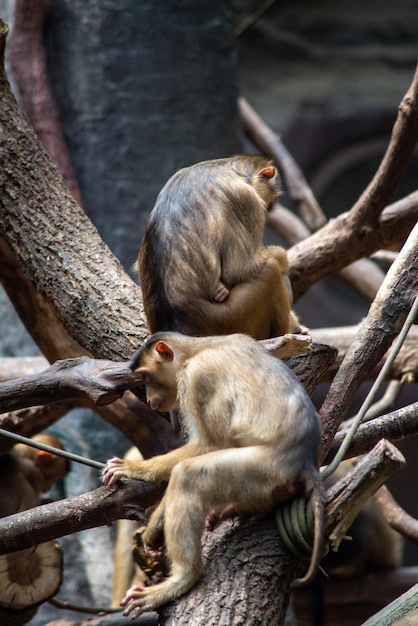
205	227
247	396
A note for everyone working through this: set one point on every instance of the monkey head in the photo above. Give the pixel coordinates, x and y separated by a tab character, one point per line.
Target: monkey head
156	365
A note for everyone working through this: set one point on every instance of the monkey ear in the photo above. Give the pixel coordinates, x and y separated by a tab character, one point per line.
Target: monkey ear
267	172
44	457
164	351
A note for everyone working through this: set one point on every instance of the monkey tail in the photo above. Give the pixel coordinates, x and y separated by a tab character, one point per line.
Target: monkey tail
317	503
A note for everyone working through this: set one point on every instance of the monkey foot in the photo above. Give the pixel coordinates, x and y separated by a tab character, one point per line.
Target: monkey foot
157	551
135	602
138	599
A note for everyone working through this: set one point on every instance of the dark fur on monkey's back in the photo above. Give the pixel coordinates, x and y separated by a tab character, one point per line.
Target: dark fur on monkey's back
206	226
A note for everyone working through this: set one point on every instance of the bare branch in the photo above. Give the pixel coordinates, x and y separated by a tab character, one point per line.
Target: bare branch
271	145
342	241
126	500
29	422
345	498
393	166
395	515
342	337
99	381
394	426
28	60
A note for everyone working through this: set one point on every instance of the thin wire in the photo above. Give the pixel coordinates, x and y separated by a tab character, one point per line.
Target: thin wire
370	396
46	448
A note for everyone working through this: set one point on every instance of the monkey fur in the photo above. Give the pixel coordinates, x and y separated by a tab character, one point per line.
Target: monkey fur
202	264
27	472
253	436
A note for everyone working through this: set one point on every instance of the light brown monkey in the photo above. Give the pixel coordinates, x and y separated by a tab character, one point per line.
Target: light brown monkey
27	472
253	437
202	264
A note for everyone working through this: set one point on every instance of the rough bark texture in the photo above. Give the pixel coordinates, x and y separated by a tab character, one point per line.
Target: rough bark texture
260	569
68	271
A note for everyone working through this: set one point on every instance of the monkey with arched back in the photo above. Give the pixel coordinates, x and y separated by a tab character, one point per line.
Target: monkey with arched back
253	437
202	264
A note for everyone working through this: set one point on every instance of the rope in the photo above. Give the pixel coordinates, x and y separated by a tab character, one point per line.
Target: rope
46	448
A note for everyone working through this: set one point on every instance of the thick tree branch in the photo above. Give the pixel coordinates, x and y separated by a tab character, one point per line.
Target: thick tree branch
361	231
126	500
99	381
345	498
68	270
363	275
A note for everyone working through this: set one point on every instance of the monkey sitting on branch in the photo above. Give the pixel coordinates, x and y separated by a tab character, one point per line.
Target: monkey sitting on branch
242	451
26	473
202	264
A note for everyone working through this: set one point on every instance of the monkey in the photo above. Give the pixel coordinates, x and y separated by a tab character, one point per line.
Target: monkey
252	442
202	265
27	472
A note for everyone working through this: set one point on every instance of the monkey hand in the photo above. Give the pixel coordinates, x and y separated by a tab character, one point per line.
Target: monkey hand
134	601
221	293
115	470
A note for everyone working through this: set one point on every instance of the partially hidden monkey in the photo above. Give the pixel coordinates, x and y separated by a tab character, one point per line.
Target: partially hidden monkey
27	472
202	265
253	437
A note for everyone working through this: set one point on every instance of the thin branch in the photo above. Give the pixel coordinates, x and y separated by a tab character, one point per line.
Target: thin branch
395	515
296	184
393	166
363	275
287	225
383	405
394	426
342	337
29	422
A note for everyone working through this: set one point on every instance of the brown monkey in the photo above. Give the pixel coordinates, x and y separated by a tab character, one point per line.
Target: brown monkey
27	472
246	447
202	265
